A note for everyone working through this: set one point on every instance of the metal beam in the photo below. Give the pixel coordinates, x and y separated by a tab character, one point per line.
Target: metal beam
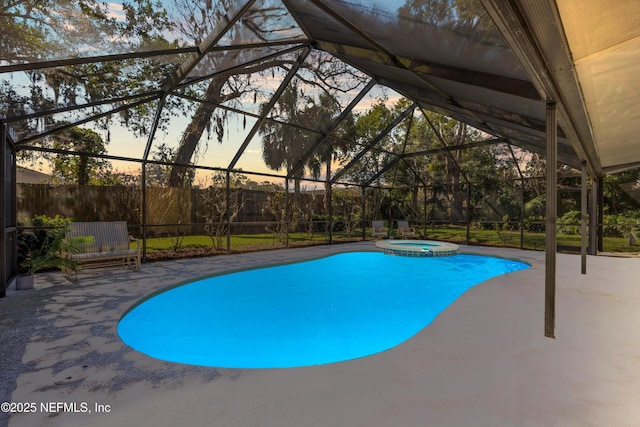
476	144
385	168
154	127
415	171
293	11
404	148
497	83
568	160
621	168
500	125
272	102
287	212
364	213
144	211
515	160
256	116
593	218
252	115
330	213
228	209
600	218
151	162
474	113
19	118
551	218
225	24
444	144
583	219
375	141
4	265
246	46
239	66
86	120
521	175
331	128
93	59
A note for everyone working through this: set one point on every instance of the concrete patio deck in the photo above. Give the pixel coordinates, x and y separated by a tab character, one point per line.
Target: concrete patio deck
483	362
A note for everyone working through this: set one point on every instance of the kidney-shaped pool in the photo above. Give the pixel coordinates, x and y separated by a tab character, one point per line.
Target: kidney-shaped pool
322	311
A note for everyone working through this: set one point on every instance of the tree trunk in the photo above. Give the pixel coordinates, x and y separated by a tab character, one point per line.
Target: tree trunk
195	129
327	186
414	205
83	172
453	177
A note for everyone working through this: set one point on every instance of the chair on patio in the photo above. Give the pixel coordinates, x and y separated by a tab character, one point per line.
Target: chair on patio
378	229
404	229
110	244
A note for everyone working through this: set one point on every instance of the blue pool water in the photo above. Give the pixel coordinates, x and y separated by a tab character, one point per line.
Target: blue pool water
328	310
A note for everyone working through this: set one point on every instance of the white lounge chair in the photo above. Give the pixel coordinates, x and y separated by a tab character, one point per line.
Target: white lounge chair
404	229
378	229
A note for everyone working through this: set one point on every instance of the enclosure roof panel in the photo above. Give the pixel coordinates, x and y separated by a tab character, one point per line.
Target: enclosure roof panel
494	64
457	52
454	61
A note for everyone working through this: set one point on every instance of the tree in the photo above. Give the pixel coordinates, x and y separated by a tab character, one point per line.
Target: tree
42	30
323	113
158	173
39	30
347	208
283	146
197	21
36	30
262	22
441	170
219	209
82	169
618	200
367	126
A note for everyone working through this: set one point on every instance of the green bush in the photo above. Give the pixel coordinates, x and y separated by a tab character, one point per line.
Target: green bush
569	223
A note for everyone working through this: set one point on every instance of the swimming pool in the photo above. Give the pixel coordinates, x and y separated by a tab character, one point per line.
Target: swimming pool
327	310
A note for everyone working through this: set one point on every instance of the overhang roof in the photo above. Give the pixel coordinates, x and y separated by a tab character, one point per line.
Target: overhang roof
604	41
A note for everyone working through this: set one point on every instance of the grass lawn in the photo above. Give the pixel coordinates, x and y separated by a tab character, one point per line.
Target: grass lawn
534	241
237	241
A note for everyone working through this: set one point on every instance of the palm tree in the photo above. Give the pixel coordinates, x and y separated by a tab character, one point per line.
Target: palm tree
282	145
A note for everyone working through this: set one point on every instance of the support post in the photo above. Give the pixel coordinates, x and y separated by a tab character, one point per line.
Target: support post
330	203
600	213
364	213
4	265
426	217
144	211
228	211
583	219
551	214
286	212
521	213
13	191
593	218
468	213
